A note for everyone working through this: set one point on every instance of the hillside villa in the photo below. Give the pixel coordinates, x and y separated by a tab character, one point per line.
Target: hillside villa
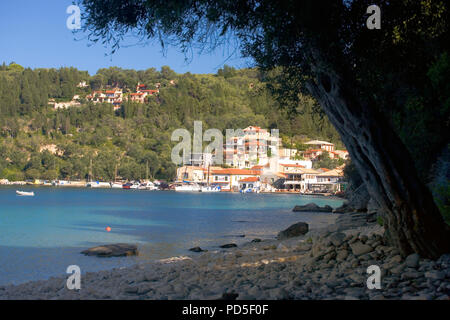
116	96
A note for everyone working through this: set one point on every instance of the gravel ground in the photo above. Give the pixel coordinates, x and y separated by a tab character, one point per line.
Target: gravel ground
330	263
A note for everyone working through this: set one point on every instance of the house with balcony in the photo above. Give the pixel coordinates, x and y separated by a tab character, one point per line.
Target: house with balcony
328	181
138	97
114	96
297	177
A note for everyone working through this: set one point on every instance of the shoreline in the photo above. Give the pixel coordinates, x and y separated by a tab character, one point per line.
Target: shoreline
326	263
78	186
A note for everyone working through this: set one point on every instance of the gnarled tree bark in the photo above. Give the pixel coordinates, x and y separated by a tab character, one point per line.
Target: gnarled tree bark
411	217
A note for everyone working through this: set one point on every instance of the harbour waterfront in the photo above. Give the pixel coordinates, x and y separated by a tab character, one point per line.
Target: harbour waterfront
40	236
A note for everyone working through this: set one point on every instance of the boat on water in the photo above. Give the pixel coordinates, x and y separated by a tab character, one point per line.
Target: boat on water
147	186
188	187
127	185
210	189
25	193
250	190
116	185
131	185
98	184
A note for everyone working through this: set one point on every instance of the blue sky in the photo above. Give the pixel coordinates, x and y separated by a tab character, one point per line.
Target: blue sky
34	34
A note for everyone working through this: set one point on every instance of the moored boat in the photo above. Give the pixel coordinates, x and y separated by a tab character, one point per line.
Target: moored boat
131	185
116	185
210	189
98	184
188	187
147	186
127	185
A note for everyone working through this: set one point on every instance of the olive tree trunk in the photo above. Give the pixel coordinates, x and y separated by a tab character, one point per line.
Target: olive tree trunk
412	219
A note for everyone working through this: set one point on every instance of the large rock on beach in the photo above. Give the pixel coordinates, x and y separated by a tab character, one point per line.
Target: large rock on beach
312	207
112	250
343	209
295	230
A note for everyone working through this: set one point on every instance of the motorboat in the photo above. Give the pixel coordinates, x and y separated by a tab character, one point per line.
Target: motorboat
250	190
210	189
188	187
131	185
116	185
127	185
98	184
147	186
25	193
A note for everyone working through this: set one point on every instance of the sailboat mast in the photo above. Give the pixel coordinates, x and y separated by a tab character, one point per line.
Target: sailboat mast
90	170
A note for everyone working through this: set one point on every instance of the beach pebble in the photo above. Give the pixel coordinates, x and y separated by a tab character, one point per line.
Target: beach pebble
435	275
321	265
359	248
412	260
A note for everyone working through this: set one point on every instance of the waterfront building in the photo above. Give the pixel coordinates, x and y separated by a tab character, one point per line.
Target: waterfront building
328	181
228	178
250	184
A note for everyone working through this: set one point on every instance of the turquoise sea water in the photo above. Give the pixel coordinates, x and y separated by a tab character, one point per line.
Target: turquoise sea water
40	236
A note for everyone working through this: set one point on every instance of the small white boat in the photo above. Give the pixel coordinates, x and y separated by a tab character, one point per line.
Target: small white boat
210	189
147	186
115	185
189	187
135	185
25	193
250	190
98	184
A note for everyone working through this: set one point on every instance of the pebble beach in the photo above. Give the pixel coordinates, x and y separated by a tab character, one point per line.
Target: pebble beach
326	263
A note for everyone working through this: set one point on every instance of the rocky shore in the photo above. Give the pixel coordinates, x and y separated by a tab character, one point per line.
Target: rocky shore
330	263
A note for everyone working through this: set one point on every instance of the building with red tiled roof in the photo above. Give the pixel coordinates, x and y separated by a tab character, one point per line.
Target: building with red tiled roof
250	184
249	179
230	177
113	96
